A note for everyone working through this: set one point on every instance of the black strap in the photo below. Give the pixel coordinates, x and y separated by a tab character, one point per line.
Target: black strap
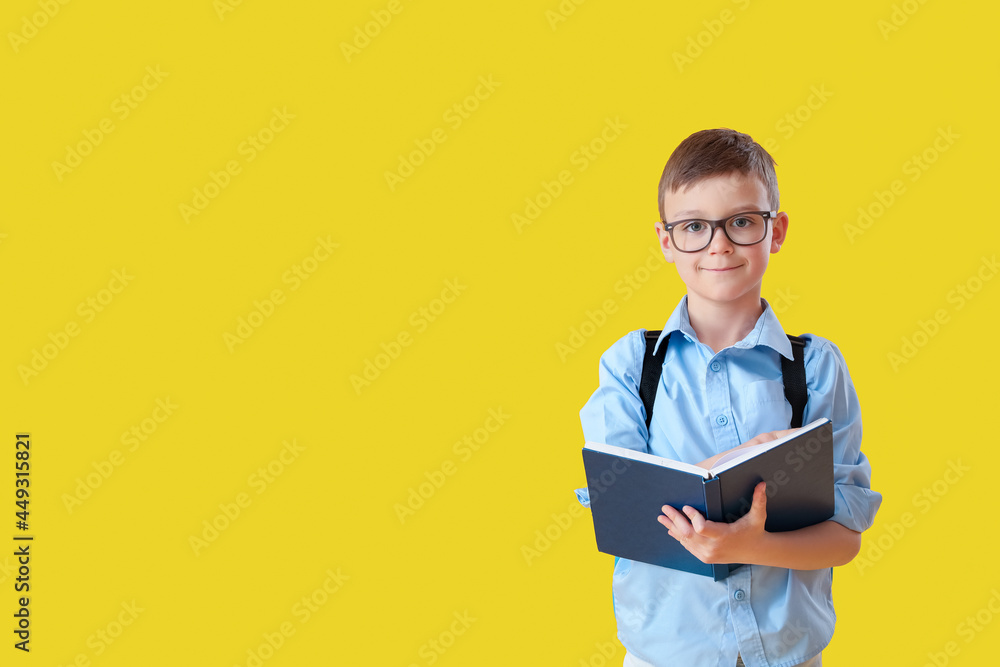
793	374
652	365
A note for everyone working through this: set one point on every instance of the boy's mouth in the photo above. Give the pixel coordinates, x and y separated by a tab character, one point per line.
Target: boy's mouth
724	268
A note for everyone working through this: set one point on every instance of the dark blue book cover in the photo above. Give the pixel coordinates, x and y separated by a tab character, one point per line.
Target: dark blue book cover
628	488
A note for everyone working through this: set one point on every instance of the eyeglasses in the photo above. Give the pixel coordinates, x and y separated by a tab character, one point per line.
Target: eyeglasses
747	228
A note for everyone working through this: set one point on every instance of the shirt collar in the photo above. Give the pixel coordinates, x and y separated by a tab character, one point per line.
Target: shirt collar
767	331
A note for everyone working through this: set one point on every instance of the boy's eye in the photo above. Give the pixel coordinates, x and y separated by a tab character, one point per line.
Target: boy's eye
741	222
693	227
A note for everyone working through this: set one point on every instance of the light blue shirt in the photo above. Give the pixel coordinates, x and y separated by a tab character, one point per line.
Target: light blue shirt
707	403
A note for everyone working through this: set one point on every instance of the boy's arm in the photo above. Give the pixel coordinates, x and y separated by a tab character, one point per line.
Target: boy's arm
826	544
830	543
614	414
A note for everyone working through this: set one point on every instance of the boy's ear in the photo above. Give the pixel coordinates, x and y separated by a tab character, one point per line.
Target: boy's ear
779	231
664	237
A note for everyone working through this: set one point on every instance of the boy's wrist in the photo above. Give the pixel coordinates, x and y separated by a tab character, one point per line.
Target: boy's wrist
760	550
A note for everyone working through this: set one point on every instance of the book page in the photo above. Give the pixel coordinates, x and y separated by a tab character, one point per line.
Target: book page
742	453
648	458
739	455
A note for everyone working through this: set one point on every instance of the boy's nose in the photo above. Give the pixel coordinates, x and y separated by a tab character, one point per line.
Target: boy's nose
719	241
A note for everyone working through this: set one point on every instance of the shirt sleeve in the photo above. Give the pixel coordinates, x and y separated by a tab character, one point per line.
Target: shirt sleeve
614	414
832	395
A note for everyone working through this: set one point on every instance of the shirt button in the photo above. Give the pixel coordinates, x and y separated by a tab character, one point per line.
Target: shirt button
739	595
721	420
716	366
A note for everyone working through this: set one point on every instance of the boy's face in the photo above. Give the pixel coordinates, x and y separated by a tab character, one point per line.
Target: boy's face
722	273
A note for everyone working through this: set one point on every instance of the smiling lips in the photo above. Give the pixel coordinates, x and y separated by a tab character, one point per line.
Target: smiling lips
726	268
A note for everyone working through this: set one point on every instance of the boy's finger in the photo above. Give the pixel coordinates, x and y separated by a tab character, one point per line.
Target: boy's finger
672	513
679	523
691	512
697	520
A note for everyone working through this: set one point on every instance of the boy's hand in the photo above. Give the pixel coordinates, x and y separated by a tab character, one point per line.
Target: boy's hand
719	542
769	436
760	439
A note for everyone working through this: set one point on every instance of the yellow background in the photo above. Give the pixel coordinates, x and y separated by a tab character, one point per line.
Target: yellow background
886	95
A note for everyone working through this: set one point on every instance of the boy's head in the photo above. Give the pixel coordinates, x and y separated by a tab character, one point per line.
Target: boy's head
714	153
719	217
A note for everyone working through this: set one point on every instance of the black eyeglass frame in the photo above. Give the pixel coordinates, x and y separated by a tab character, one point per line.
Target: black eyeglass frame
717	224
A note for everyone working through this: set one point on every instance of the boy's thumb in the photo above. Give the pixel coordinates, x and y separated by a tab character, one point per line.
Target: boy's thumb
760	497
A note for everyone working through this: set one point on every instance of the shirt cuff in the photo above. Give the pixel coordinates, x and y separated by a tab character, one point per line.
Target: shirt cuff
583	495
854	507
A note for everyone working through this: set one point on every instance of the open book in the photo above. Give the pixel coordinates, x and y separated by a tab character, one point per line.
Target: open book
627	489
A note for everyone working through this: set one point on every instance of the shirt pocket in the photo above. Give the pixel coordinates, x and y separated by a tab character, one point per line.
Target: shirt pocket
764	408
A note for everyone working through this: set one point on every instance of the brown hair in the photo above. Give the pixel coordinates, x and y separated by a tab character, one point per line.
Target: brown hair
715	152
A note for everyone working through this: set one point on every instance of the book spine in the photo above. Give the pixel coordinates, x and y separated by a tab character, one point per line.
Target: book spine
713	499
713	512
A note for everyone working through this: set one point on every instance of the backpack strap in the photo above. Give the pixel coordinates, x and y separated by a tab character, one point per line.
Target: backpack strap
652	365
793	375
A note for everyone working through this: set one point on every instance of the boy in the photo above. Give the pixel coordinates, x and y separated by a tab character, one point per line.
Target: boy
721	385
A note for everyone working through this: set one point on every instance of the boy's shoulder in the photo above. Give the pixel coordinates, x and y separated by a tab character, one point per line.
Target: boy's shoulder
820	347
626	353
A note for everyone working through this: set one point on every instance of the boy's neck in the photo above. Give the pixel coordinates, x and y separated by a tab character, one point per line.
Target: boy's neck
720	325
